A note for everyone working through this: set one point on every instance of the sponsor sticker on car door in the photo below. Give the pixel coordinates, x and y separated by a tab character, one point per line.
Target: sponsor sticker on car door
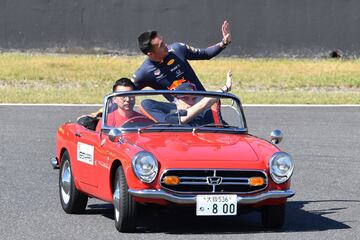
85	153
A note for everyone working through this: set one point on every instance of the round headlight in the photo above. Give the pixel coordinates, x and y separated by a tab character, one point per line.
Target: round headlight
145	166
281	167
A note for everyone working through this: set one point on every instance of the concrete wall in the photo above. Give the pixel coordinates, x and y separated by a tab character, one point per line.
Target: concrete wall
273	28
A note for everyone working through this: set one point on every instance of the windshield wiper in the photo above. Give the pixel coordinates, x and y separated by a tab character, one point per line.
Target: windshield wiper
213	125
140	130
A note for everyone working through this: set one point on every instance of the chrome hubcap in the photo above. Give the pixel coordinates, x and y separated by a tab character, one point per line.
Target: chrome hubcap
117	201
65	182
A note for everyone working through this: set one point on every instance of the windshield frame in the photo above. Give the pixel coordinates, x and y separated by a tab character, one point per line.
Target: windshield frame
106	129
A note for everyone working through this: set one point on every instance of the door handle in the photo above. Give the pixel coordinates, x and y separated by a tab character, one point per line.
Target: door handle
77	134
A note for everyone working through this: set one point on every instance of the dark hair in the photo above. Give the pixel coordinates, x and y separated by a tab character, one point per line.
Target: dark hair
145	41
123	82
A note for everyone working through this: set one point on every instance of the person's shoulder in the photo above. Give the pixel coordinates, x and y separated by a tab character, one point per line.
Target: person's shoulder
146	64
144	69
178	46
184	48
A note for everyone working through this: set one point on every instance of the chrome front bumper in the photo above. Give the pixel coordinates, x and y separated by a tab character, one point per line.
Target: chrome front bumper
160	194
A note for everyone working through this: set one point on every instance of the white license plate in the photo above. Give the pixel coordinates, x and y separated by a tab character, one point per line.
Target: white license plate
216	205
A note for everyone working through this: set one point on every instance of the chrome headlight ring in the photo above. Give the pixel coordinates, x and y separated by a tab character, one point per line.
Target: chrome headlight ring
145	166
281	167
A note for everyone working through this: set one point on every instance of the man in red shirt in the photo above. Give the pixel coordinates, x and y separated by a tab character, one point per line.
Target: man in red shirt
125	111
121	109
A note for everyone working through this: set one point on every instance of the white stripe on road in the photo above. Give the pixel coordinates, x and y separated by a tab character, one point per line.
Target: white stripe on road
245	105
301	105
51	104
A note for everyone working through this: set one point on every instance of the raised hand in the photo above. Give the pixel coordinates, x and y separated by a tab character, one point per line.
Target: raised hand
229	81
226	32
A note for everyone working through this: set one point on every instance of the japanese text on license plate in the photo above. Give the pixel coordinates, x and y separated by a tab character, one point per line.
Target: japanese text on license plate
216	205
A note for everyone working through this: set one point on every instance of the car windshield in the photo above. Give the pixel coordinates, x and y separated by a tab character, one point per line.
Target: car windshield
143	111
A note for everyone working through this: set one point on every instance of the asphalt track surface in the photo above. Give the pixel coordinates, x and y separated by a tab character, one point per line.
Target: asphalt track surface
324	141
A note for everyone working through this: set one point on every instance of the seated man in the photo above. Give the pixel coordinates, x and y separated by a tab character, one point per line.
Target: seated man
121	110
198	113
125	104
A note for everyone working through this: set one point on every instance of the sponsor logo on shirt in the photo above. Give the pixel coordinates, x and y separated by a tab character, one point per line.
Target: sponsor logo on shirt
176	83
192	49
174	68
171	61
179	73
160	76
157	72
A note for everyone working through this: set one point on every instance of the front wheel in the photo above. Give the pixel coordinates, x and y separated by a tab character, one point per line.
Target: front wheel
273	216
126	209
72	201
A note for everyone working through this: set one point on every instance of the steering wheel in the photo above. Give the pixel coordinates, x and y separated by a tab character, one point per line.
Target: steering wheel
137	119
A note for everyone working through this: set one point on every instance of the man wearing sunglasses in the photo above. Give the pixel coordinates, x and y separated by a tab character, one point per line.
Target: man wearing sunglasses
167	66
120	111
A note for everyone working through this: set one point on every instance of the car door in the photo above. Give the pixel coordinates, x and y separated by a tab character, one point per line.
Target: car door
87	156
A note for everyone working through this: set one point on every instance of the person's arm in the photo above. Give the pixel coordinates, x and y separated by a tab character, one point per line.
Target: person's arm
98	113
199	107
139	79
206	102
192	53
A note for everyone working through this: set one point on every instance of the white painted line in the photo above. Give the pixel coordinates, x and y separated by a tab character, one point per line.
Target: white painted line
301	105
244	105
51	104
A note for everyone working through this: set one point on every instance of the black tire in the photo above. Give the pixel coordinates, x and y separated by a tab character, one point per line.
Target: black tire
125	208
72	201
273	216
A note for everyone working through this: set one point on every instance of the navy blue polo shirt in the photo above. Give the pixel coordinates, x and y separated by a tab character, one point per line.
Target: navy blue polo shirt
174	68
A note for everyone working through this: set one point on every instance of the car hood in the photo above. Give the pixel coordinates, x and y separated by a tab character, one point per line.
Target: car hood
206	149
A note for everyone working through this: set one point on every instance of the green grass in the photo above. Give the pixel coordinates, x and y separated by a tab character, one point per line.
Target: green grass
53	78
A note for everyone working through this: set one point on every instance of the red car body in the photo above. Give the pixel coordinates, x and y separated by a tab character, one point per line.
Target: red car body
174	150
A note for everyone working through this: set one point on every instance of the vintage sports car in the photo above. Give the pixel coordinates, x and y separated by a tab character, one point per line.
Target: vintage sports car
146	150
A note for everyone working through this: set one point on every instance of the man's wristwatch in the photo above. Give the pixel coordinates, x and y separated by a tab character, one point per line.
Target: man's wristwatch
224	43
224	91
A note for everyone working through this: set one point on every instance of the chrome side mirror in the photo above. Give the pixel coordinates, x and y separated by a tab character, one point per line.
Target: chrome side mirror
276	136
114	135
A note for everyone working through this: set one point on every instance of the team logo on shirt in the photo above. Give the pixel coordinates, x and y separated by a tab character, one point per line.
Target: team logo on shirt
192	49
176	83
157	72
171	61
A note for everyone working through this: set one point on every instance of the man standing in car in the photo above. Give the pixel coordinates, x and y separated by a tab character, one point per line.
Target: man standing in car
168	67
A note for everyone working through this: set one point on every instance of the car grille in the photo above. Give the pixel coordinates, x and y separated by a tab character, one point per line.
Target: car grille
213	181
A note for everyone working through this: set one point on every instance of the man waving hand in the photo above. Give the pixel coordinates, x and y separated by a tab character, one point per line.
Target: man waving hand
167	66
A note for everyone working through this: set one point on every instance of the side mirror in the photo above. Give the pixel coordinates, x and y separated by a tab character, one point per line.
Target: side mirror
276	136
114	135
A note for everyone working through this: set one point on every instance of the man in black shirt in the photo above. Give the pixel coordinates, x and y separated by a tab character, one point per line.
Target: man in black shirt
167	66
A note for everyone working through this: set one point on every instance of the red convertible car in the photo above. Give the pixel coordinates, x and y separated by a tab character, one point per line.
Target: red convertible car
195	151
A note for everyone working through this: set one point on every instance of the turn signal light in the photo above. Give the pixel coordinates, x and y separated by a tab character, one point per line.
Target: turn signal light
256	181
171	180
